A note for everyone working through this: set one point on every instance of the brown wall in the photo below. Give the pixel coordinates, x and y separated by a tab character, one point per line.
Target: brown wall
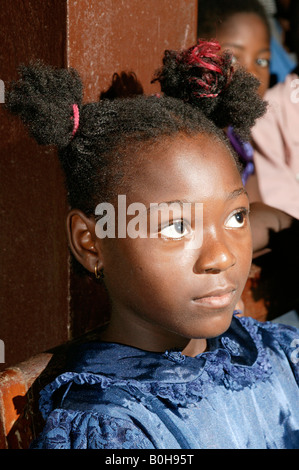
34	313
41	303
110	36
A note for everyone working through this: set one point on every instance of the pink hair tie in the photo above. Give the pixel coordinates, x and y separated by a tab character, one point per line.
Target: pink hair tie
76	119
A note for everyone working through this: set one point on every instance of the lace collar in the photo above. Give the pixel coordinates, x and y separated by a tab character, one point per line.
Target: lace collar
235	360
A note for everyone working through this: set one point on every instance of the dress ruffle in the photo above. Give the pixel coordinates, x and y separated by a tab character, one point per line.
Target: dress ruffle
230	365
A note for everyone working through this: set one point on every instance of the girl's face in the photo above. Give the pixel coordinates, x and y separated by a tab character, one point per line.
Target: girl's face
169	289
247	37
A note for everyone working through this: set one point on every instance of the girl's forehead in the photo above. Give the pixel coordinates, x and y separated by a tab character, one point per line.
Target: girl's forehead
241	23
185	167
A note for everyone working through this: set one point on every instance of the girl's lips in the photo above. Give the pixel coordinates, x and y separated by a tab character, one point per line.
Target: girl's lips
216	299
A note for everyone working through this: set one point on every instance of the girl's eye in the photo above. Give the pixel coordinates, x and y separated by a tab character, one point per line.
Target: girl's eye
237	219
263	62
176	230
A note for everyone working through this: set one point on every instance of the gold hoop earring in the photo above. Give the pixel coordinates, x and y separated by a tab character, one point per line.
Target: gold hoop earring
98	274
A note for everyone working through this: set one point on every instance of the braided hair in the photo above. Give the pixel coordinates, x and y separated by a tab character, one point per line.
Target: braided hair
111	133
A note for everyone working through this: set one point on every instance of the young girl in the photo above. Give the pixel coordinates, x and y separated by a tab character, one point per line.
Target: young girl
174	368
242	27
271	168
275	137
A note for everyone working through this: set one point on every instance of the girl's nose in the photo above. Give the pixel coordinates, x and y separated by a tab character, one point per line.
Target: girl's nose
215	256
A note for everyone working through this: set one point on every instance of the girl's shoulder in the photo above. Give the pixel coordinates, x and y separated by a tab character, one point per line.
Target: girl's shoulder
280	339
286	336
76	429
279	344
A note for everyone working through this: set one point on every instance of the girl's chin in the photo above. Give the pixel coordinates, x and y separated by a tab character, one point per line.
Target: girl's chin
213	325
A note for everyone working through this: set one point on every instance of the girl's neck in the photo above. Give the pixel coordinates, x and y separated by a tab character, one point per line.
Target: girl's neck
155	341
195	347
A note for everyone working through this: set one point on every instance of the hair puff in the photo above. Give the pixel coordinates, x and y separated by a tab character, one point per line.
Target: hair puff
44	97
205	77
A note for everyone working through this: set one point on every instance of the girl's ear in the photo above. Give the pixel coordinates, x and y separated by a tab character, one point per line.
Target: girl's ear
83	241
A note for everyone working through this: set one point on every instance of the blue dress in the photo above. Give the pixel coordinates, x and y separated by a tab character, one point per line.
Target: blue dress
242	393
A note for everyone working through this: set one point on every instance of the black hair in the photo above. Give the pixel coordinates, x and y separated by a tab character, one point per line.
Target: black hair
212	14
207	80
113	132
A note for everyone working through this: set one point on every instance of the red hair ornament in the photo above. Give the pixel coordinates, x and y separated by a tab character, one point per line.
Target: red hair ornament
210	64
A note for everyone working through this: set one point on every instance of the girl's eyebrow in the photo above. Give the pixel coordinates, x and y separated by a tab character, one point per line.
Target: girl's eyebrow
241	47
236	193
233	195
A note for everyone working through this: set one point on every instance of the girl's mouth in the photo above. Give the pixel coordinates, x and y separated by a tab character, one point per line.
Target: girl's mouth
219	298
